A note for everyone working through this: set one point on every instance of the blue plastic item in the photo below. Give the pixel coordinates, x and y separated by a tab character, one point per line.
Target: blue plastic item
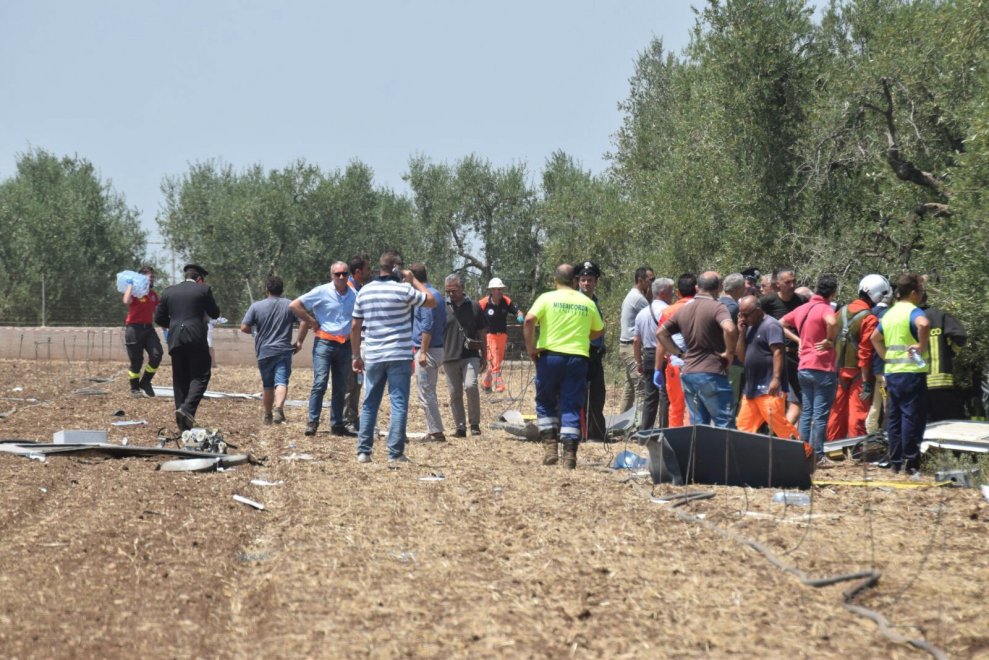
140	282
627	460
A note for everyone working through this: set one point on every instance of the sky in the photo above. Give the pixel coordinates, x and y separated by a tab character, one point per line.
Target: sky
144	89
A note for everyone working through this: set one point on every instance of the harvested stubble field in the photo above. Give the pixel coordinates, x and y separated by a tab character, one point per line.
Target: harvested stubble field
109	558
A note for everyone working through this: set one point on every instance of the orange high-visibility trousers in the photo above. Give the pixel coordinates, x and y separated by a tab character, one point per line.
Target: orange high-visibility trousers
674	391
769	409
849	411
497	341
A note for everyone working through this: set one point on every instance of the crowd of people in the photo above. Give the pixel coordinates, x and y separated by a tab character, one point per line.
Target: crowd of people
748	351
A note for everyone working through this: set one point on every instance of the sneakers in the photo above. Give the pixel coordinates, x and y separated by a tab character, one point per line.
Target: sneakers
363	458
311	428
486	382
434	437
266	420
460	433
277	416
342	431
401	458
499	384
136	394
475	429
824	463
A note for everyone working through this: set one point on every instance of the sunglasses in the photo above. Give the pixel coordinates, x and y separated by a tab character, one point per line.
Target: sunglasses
339	274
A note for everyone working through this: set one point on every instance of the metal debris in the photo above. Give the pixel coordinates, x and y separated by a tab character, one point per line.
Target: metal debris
244	500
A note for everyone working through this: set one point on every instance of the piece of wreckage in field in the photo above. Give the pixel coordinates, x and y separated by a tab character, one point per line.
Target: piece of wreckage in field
710	455
524	426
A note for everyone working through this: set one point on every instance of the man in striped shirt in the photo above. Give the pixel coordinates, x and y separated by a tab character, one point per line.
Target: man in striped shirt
384	311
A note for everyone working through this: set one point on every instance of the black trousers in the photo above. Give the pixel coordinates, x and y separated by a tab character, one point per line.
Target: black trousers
137	340
190	375
655	404
597	429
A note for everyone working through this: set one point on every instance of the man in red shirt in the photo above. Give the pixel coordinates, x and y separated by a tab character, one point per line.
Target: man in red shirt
140	336
816	325
853	355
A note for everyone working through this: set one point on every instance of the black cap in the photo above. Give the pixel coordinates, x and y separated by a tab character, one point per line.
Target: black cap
202	271
587	268
751	274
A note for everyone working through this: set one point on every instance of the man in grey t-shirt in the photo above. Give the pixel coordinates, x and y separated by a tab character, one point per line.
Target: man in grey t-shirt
635	301
270	321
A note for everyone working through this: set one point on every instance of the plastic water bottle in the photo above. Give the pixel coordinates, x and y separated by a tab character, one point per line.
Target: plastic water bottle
139	282
799	499
917	358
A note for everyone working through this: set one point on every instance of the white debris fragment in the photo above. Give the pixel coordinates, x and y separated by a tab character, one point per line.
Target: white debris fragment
262	482
297	457
244	500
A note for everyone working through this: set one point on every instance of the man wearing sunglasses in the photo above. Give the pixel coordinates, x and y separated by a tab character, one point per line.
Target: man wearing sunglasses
332	306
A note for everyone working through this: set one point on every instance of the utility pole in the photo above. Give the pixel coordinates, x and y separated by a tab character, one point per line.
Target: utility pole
44	310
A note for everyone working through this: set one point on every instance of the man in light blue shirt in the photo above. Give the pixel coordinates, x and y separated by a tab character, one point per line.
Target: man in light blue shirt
332	305
428	327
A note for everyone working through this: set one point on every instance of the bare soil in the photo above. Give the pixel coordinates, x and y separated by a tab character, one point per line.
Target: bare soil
503	557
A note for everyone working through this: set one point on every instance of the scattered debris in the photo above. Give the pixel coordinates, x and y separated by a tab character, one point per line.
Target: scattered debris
298	457
17	389
37	457
262	482
433	477
961	478
79	437
957	436
118	413
43	489
90	391
710	455
106	450
129	422
244	500
210	394
218	463
985	492
8	413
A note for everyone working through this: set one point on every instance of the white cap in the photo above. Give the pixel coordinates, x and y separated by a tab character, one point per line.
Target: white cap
876	287
496	283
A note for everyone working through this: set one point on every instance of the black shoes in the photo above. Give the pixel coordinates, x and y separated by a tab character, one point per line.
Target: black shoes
341	431
460	433
184	420
146	386
475	429
311	428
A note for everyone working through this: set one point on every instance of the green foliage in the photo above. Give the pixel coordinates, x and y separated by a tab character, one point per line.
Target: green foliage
62	225
292	223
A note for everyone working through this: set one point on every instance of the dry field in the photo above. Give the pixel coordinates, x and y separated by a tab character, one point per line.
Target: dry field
503	557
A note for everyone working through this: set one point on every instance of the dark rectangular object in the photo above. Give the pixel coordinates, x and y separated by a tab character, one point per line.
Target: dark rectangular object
710	455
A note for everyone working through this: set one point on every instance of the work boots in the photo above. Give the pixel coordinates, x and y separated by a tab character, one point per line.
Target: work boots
550	447
135	388
145	384
570	455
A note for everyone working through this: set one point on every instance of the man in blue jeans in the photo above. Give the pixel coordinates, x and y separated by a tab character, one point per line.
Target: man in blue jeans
710	336
270	321
816	324
332	305
384	311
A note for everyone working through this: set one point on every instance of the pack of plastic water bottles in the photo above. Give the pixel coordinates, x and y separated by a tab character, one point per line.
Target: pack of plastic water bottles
140	283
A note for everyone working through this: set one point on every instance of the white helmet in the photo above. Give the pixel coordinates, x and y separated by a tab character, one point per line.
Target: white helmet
496	283
876	287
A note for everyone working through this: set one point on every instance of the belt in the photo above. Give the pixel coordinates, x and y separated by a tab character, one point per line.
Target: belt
140	325
626	343
325	336
558	354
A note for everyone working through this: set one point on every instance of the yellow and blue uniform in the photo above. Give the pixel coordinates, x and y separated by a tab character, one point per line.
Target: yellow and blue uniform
906	386
566	319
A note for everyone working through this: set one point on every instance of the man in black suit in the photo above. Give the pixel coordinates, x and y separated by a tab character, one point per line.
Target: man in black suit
182	310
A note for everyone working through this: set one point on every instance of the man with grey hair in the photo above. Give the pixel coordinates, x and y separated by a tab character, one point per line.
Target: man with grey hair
635	300
734	289
654	398
464	343
710	337
331	305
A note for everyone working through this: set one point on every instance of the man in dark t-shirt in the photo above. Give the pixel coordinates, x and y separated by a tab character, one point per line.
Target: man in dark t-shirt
777	305
464	357
760	347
